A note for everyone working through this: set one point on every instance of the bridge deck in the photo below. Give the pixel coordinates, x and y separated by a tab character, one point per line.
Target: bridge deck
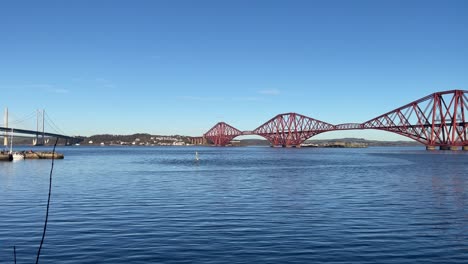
33	132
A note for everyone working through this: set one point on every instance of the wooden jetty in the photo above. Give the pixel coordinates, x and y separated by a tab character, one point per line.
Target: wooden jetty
42	155
6	156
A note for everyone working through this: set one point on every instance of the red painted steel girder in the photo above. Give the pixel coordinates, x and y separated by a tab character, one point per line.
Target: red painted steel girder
221	134
348	126
438	119
291	129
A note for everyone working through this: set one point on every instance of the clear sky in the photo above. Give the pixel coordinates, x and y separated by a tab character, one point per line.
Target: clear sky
179	67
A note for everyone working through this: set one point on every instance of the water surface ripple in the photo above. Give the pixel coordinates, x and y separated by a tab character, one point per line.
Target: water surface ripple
238	205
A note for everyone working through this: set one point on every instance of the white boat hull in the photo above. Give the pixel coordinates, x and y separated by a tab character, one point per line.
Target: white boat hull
18	156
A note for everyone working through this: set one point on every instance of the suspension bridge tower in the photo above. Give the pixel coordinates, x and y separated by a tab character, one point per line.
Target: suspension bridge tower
40	128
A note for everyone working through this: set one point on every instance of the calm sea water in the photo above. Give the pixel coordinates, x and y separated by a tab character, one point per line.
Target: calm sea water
238	205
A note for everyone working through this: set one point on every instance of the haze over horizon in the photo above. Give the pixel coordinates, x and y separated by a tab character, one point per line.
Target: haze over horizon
179	67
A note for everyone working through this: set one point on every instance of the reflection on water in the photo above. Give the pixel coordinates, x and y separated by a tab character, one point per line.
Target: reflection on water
238	205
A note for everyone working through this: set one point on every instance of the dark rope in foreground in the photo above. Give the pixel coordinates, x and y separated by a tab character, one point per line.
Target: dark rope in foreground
48	203
14	252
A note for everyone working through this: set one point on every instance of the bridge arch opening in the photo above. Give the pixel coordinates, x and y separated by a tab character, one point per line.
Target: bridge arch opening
367	134
250	140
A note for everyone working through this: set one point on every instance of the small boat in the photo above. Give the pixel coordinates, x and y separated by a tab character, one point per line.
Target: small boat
15	155
18	156
196	156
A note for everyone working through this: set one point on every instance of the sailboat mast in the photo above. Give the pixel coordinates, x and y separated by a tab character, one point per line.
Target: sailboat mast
37	126
5	137
11	141
43	127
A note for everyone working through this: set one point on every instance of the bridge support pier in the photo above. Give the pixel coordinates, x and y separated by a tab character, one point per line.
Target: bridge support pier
198	140
454	148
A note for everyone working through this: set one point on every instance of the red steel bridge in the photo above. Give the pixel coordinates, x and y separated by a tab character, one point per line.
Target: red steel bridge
437	120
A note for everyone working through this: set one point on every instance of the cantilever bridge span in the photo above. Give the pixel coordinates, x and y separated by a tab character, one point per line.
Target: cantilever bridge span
437	120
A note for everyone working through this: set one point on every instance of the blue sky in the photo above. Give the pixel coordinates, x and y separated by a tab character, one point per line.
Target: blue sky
179	67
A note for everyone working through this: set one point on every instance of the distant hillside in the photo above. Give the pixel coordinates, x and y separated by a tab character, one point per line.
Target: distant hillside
143	139
19	140
368	142
28	141
262	142
254	142
137	140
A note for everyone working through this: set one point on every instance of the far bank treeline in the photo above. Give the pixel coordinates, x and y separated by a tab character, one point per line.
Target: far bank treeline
178	140
143	139
139	139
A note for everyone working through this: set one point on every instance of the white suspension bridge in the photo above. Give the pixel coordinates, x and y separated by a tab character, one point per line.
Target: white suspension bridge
38	124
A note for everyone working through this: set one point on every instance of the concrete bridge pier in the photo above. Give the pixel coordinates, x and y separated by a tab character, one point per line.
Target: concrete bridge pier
291	146
198	140
453	148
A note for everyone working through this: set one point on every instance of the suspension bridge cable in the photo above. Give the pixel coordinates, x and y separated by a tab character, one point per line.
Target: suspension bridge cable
25	117
55	129
14	120
52	124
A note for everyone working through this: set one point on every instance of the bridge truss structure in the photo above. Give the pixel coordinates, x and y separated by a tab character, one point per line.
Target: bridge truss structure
437	120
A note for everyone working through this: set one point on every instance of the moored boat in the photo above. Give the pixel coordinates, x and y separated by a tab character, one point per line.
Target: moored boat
18	156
